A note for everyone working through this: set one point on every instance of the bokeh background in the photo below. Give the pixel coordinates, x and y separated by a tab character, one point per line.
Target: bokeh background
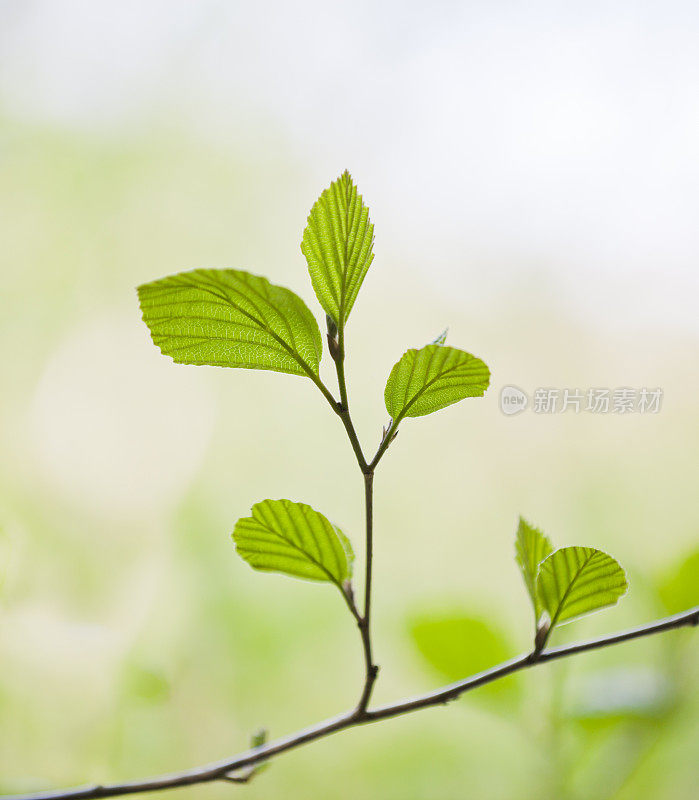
532	171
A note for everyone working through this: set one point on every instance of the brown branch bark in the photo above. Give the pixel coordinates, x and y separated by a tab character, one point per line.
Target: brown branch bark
221	769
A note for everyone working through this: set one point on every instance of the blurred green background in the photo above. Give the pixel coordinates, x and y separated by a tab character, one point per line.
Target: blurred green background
143	139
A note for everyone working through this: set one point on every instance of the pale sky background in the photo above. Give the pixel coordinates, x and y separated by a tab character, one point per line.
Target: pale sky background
551	141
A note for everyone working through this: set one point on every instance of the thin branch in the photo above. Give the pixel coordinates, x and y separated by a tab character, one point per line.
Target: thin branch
342	412
448	693
327	394
344	415
364	620
218	771
342	409
372	670
383	446
389	435
339	359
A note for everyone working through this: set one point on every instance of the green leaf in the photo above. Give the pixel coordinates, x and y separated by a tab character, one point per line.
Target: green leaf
230	318
293	538
531	548
432	378
574	581
145	684
457	645
679	587
337	244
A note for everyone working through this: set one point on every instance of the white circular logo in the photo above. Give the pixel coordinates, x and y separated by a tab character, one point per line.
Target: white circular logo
512	400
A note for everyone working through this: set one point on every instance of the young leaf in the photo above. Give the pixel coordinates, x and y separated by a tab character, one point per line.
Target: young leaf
230	318
531	548
574	581
283	536
432	378
337	244
679	587
458	644
259	738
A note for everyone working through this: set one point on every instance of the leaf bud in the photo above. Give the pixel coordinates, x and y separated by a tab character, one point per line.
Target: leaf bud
543	628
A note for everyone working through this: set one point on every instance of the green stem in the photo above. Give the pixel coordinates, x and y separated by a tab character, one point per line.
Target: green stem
363	621
385	442
372	669
340	368
343	413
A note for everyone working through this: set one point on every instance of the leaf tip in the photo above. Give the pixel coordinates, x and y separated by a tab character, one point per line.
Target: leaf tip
442	338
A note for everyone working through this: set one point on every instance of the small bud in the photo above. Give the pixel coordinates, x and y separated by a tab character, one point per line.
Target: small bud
333	348
543	629
258	738
347	589
385	429
333	345
441	338
332	326
245	775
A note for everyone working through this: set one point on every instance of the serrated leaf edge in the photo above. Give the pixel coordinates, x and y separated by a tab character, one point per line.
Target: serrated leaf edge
310	371
595	550
342	538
